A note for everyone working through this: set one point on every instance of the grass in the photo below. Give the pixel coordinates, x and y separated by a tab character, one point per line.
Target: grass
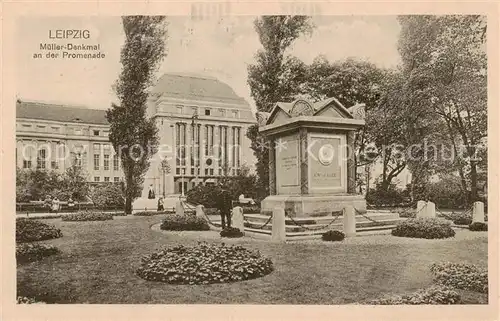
98	262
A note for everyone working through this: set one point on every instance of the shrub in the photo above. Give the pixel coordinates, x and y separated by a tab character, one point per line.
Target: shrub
108	195
87	216
28	230
461	218
447	193
148	213
30	252
231	232
392	196
212	211
26	300
184	223
427	228
204	264
434	295
461	276
407	212
478	226
333	235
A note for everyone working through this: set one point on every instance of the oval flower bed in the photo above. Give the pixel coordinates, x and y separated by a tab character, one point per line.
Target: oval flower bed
28	230
204	264
87	216
30	252
426	228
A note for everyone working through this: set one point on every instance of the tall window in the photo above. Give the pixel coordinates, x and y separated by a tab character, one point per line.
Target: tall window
41	159
209	139
116	179
97	156
97	161
97	179
106	162
116	162
106	179
26	163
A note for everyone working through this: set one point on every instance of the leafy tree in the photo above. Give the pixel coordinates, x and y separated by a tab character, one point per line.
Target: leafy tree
132	134
274	77
107	195
444	60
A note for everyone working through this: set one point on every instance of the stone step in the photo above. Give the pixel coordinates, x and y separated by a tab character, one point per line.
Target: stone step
337	225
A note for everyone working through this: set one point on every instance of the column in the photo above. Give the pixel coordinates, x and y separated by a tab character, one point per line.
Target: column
351	166
202	151
272	166
303	161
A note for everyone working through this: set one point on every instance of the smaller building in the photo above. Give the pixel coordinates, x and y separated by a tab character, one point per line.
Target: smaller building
54	137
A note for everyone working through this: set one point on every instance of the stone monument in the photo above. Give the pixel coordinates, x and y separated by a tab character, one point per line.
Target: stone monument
311	157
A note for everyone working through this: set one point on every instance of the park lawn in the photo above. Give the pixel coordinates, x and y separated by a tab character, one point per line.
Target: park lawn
98	261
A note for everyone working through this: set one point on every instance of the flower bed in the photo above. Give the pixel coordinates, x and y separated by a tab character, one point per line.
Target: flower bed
427	228
333	236
461	276
30	252
148	213
434	295
184	223
204	264
28	230
231	232
87	216
461	218
407	212
478	226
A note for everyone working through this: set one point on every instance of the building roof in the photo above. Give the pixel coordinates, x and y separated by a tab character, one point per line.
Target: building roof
62	113
197	87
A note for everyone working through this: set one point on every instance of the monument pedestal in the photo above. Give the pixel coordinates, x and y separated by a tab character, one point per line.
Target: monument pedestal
312	205
312	168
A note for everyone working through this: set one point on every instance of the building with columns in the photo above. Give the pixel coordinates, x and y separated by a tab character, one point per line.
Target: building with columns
202	127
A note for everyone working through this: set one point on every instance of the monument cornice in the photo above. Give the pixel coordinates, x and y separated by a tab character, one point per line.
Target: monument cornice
315	122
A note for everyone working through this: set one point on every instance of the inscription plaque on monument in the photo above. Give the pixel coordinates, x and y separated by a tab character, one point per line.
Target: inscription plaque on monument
287	166
327	164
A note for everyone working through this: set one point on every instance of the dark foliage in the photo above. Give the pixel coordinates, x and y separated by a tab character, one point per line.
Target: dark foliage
432	295
184	223
231	232
204	264
478	226
32	230
426	228
30	252
461	276
87	216
333	235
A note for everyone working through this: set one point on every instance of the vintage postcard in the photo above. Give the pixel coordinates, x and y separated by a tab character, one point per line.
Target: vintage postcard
249	160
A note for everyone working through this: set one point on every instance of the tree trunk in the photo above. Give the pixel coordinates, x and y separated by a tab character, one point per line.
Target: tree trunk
473	181
129	192
128	205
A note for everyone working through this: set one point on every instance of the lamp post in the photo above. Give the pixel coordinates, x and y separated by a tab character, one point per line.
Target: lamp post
182	182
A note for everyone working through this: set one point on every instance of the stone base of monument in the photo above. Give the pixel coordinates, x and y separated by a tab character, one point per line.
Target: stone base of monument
307	228
312	205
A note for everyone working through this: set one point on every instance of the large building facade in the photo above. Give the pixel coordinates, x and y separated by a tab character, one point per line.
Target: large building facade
201	123
202	126
55	137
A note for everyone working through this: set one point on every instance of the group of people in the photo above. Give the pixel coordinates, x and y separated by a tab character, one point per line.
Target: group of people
54	205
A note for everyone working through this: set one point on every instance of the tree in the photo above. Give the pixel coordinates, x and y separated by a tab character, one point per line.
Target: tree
274	77
132	134
444	58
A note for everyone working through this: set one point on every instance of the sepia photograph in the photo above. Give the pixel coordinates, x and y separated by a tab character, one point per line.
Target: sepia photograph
303	159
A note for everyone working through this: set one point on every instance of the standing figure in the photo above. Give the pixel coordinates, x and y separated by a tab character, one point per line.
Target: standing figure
151	194
160	204
224	206
55	205
47	203
71	204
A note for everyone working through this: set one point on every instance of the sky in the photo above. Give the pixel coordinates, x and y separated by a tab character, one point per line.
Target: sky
219	47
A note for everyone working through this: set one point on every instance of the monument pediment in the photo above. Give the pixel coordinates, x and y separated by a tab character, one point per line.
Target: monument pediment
330	107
